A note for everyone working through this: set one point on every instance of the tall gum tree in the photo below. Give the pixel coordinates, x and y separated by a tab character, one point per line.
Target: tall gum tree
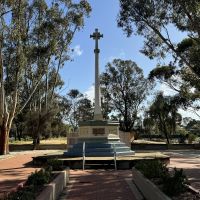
124	88
153	21
31	34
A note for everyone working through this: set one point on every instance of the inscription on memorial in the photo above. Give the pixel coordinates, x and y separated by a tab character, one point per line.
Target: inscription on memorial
98	131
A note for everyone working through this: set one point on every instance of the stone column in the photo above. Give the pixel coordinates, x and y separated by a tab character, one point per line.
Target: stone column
97	110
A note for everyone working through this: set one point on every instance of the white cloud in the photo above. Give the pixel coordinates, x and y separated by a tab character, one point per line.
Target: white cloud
77	50
189	113
121	55
167	91
90	93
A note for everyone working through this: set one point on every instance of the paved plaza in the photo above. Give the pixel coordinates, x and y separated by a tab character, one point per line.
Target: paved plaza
93	184
189	160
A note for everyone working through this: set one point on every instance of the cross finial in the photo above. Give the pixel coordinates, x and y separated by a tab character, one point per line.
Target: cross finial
96	35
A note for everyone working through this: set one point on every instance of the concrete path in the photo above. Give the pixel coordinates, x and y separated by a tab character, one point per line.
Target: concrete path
189	160
98	185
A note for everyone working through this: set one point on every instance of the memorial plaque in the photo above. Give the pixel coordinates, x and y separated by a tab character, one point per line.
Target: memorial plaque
98	131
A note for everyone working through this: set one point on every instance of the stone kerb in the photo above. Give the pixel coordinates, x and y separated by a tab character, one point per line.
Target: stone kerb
147	188
52	190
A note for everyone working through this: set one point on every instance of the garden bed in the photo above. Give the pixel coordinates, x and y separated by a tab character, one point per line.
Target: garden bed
43	184
154	181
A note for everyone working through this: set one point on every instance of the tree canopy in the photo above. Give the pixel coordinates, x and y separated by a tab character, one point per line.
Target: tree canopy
124	88
35	38
154	20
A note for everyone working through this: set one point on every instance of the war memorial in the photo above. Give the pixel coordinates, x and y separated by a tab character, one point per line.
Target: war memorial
99	137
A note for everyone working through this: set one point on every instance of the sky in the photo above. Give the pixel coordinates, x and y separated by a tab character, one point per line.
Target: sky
79	73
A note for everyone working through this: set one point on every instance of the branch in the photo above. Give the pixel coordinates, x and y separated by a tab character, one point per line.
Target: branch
194	25
59	62
27	101
6	12
170	46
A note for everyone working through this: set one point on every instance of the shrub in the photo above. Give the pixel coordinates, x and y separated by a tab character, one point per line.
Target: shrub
191	138
174	185
39	177
32	185
171	184
56	164
23	194
152	168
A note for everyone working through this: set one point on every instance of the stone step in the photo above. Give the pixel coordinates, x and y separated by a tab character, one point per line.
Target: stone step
98	154
87	150
99	145
98	140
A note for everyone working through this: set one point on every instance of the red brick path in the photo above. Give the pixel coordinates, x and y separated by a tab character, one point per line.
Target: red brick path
99	185
13	171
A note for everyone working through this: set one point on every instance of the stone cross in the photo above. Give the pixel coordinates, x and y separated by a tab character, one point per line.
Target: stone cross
97	110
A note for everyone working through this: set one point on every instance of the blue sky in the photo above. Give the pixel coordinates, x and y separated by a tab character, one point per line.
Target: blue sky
79	74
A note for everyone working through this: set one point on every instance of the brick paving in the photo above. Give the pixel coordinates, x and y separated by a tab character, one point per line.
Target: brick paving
15	168
93	184
99	185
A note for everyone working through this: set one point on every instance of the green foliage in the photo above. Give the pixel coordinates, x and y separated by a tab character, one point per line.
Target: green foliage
39	178
185	44
32	57
172	184
27	193
55	164
124	88
191	138
165	72
79	107
152	168
163	112
175	184
32	185
153	20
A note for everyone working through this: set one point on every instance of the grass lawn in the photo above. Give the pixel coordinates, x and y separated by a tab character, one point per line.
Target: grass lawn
60	140
148	142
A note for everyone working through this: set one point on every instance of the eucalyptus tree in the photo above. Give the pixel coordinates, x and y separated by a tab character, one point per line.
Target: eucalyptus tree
35	38
153	20
164	114
80	108
124	88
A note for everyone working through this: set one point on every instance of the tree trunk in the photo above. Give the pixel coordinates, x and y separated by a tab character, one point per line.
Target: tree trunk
4	146
36	136
166	133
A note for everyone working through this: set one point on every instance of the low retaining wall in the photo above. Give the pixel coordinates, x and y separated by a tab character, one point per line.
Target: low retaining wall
148	190
126	137
52	190
135	146
26	147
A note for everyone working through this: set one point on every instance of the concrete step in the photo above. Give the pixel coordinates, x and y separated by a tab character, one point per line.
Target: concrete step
99	147
100	144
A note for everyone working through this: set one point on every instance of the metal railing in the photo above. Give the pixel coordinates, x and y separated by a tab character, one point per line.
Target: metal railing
115	157
83	155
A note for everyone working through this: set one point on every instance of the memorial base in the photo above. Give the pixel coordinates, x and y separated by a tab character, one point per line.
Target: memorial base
101	139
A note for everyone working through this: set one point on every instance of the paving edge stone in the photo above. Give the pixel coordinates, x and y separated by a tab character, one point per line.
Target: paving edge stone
148	189
132	186
52	190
